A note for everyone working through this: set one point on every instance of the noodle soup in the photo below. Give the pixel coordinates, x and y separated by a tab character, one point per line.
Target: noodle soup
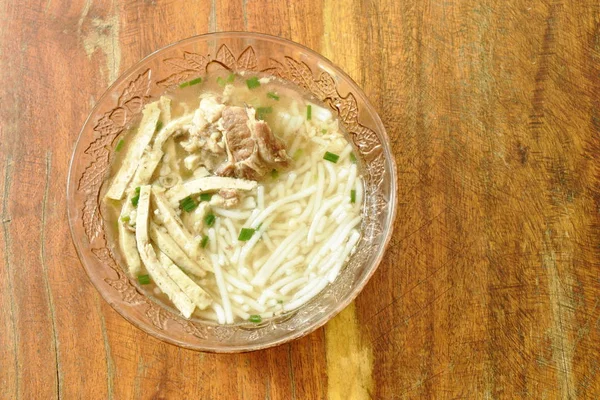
236	198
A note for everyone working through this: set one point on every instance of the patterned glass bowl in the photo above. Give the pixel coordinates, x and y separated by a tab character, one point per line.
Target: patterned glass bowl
185	60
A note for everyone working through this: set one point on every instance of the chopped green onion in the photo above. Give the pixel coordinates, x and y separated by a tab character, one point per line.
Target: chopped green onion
205	196
125	218
279	301
144	279
253	83
261	111
230	78
204	242
323	131
190	83
331	157
188	204
273	95
353	196
257	319
135	199
274	174
221	81
120	145
245	234
352	158
159	125
297	154
209	220
308	112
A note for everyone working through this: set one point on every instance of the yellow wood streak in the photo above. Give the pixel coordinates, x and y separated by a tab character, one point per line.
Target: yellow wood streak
341	37
103	35
562	349
349	358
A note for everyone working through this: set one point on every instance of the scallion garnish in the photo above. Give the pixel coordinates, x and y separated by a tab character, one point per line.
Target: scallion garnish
204	242
331	157
188	204
297	154
353	196
159	125
274	174
246	234
135	199
209	220
144	279
308	112
257	319
120	145
279	301
253	83
273	95
190	83
352	158
262	111
125	218
230	77
205	196
220	81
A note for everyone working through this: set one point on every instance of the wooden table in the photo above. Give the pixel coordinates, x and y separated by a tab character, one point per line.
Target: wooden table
490	288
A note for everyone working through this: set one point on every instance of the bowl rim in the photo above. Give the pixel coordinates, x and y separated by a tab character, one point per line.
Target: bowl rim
387	228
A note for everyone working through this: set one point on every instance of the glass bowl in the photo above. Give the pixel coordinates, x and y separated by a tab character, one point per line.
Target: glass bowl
179	62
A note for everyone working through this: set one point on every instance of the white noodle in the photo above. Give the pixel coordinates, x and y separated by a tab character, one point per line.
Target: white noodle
222	290
237	215
273	262
293	285
287	267
268	242
212	240
347	250
344	153
264	214
220	313
351	179
332	178
260	194
310	239
321	283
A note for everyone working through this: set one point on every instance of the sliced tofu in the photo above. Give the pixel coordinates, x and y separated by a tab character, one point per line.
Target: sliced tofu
164	103
160	276
127	241
194	292
184	239
169	129
150	159
205	184
133	157
167	245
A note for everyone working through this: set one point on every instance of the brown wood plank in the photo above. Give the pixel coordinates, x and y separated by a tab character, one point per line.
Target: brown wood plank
490	288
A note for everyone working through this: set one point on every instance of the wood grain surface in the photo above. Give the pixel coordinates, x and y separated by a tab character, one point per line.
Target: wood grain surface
491	286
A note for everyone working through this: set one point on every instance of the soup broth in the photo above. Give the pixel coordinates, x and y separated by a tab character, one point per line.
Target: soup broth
236	197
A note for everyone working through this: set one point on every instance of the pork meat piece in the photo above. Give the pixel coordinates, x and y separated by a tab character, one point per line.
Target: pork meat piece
253	150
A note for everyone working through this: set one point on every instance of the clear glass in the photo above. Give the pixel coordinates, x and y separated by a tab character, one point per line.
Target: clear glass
185	60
